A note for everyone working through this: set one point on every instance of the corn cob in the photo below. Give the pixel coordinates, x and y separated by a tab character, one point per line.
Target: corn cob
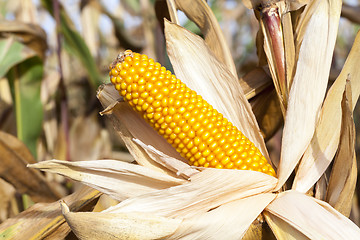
194	128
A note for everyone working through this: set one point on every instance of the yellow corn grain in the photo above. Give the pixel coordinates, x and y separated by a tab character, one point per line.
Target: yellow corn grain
194	128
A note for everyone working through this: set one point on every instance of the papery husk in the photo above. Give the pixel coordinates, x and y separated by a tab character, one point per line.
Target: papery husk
210	225
309	85
201	14
204	191
344	172
325	141
118	179
44	220
313	218
13	160
130	125
283	230
212	80
135	225
255	82
179	167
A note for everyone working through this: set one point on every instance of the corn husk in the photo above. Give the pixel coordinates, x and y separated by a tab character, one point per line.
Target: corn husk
255	82
344	172
119	225
179	167
210	225
212	81
324	143
309	85
118	179
206	190
283	230
313	218
200	13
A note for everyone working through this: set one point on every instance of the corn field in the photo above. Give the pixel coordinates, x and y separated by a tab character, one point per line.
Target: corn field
179	119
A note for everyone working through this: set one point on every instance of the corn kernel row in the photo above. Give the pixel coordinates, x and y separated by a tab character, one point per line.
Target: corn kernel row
194	128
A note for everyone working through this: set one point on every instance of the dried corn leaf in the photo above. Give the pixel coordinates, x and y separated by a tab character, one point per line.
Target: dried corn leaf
309	85
313	220
14	156
7	193
283	230
31	35
212	80
210	225
90	14
351	13
323	146
118	179
87	144
200	13
130	125
45	219
119	225
206	190
344	172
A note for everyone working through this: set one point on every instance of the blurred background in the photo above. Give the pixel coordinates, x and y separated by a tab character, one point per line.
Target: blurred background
55	54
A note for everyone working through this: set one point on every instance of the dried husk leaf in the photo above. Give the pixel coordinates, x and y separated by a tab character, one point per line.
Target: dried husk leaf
118	179
135	225
255	82
200	13
315	221
130	125
210	225
45	219
206	190
179	167
309	85
344	172
283	230
212	80
13	160
323	146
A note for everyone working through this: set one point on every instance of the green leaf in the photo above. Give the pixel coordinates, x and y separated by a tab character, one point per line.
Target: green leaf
12	53
25	80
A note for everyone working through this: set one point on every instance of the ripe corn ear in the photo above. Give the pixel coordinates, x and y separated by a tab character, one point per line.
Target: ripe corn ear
194	128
